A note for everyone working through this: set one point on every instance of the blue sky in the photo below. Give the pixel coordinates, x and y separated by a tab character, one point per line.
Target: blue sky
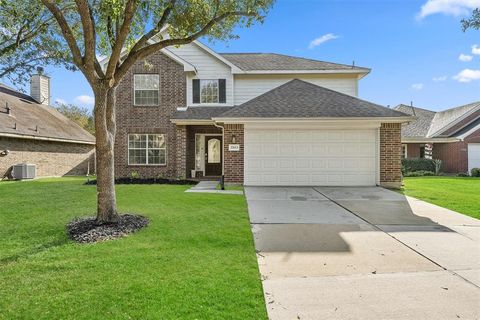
414	53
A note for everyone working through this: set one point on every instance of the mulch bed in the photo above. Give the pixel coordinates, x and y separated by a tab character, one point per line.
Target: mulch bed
87	230
147	181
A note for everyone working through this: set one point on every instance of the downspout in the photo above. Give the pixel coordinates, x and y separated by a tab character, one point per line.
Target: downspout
222	179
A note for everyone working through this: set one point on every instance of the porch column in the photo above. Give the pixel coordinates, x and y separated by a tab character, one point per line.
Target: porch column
391	155
233	159
181	156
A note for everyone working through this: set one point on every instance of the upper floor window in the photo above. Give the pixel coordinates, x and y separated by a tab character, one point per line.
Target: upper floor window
209	91
147	149
146	89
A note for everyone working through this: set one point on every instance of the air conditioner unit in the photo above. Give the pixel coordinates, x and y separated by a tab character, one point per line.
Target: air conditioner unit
24	171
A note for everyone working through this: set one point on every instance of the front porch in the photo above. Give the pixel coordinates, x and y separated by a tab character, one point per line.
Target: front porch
202	146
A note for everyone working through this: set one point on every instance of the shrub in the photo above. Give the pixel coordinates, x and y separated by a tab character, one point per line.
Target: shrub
475	172
417	164
438	165
463	174
420	173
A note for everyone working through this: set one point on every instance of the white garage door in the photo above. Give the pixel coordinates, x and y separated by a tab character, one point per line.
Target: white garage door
473	156
310	157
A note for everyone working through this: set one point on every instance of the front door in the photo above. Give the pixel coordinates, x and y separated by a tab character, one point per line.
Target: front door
213	155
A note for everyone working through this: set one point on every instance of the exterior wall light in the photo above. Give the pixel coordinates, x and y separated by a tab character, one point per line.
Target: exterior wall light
234	138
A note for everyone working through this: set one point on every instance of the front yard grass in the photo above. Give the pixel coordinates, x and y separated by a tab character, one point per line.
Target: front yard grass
461	194
195	260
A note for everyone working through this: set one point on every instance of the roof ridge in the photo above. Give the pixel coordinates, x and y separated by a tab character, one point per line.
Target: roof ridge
418	108
295	57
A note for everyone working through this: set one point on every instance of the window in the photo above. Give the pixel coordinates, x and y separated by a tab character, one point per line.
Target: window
422	152
147	149
146	89
214	151
208	91
404	151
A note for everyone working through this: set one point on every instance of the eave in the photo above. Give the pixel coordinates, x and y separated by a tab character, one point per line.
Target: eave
30	137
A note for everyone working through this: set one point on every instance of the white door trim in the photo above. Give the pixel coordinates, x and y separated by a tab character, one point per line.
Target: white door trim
202	141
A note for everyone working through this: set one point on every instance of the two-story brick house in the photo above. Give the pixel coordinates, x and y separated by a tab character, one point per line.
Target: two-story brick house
258	119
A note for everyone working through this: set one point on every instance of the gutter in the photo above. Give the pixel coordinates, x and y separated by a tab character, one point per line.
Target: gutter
317	120
430	140
30	137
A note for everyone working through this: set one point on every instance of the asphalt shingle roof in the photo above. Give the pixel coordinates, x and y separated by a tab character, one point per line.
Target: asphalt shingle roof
199	113
418	127
274	61
28	116
429	124
300	99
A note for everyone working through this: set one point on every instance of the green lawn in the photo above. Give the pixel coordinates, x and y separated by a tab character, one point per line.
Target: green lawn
455	193
195	260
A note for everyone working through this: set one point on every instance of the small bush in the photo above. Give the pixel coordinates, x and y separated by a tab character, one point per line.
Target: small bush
475	172
463	174
420	173
417	164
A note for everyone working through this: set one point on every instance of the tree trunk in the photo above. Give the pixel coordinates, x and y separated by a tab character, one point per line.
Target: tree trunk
105	138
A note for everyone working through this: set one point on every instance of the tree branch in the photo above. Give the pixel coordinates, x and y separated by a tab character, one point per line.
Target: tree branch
88	33
144	52
67	32
121	36
161	23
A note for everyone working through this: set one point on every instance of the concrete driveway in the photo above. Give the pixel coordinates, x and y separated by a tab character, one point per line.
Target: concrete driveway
363	253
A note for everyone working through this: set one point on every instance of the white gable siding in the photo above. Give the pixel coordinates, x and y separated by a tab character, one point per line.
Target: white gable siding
207	66
248	87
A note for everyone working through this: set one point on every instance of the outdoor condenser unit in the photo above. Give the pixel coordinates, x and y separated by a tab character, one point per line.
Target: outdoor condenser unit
24	171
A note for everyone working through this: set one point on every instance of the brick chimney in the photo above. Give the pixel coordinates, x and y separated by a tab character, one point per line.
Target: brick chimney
40	87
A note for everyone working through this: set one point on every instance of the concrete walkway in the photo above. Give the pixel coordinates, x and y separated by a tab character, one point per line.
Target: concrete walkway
211	187
363	253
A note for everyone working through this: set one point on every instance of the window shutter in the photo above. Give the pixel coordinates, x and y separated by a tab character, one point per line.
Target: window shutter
196	90
222	91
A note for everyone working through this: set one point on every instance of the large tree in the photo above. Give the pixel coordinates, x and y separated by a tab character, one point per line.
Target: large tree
80	115
120	30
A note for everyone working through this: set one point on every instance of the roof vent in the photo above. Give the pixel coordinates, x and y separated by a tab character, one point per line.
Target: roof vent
40	87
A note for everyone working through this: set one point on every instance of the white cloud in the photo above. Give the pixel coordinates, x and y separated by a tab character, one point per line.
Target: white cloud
60	101
448	7
417	86
85	100
322	39
476	49
465	57
467	75
439	79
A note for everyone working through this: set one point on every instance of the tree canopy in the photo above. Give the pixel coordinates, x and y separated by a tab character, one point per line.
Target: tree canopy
473	21
27	40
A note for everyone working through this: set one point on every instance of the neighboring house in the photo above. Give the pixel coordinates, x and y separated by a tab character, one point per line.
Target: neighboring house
258	119
453	135
33	132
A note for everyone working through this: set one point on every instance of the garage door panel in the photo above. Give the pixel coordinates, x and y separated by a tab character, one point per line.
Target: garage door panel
310	157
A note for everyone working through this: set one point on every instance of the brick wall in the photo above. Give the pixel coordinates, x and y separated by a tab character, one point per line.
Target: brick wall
390	155
454	155
51	158
233	167
151	119
181	146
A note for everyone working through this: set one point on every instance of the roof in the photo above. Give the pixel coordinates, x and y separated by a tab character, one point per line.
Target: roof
431	124
33	120
199	113
444	118
300	99
274	61
420	126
